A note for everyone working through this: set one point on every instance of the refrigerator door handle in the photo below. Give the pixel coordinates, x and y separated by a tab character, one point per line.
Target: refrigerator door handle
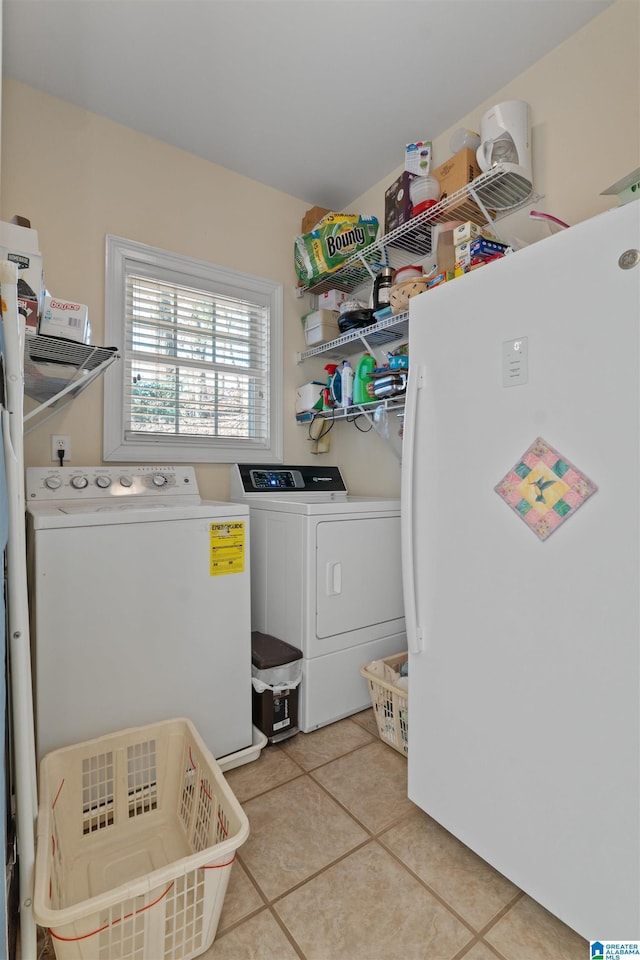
414	633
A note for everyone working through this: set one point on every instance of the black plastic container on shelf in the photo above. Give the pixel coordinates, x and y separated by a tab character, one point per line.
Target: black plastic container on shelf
382	287
353	319
276	671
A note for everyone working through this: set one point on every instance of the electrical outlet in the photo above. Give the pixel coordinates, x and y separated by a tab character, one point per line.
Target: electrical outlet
59	443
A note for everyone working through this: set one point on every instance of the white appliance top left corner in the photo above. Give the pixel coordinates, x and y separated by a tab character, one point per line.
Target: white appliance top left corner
68	496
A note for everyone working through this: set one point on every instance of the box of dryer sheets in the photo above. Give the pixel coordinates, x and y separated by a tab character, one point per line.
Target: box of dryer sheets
66	319
19	245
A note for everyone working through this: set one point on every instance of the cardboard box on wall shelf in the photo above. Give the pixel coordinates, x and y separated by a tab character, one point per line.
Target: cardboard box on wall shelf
19	245
312	217
28	308
455	174
66	319
331	299
397	202
398	211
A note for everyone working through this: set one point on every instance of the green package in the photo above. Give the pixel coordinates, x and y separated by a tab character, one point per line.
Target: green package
326	248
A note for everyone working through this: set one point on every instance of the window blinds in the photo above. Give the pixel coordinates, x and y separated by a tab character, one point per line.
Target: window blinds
196	363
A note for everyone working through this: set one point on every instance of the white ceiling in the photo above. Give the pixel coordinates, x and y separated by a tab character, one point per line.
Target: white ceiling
316	98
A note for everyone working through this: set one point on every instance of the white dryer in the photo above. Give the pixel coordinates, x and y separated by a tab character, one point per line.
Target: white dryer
139	595
325	577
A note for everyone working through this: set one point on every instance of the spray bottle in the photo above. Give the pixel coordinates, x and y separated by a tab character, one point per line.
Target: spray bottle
328	400
366	365
347	384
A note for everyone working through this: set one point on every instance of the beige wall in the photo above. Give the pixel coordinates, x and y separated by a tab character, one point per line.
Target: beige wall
79	177
585	105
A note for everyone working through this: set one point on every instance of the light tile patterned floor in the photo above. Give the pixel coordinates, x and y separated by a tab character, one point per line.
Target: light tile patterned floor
340	865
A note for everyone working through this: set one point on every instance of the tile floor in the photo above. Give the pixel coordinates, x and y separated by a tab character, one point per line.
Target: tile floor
340	865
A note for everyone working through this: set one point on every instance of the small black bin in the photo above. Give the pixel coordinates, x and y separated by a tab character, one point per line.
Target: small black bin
276	674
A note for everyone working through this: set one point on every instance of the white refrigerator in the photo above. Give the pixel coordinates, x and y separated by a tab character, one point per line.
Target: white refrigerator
521	536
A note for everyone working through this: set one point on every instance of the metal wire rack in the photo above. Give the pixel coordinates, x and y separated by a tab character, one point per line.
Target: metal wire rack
490	197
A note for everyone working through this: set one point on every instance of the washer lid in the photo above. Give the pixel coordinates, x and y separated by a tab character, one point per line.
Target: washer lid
72	513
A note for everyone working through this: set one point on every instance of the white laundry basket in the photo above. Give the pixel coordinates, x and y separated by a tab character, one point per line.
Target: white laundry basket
137	832
390	705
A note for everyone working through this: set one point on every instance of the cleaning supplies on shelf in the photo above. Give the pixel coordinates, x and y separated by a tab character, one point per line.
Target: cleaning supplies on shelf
366	365
328	398
346	377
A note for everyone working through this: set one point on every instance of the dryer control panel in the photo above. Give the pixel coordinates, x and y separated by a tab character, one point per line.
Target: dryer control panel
248	478
102	483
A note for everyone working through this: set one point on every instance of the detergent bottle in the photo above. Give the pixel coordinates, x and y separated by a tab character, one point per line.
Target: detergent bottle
346	377
366	365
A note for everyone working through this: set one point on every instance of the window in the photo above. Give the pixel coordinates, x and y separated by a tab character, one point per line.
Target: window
201	371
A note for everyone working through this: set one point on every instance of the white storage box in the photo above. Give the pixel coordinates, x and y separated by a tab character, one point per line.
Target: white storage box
309	396
320	326
331	299
137	832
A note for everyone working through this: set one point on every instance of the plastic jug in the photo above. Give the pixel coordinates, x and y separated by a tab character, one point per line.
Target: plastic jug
346	378
366	365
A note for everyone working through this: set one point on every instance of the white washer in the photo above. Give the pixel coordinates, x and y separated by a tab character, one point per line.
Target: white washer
325	577
139	595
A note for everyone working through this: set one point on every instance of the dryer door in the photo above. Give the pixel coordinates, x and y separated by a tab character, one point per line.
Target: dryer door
358	574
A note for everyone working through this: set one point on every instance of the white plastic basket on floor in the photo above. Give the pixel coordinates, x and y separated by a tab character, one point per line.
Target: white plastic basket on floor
390	706
137	832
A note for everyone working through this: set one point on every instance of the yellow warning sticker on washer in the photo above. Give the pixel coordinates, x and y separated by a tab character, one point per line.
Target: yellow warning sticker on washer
226	548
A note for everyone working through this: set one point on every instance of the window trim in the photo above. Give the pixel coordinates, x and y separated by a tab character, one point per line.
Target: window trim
121	252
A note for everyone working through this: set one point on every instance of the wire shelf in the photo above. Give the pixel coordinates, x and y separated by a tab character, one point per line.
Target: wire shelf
389	330
489	197
57	370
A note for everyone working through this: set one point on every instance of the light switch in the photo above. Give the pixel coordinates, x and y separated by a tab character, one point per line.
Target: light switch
515	362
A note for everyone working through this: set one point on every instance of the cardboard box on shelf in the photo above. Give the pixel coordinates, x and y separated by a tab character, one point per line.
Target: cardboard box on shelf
66	319
331	299
397	202
417	157
455	174
28	308
443	246
465	232
311	218
19	245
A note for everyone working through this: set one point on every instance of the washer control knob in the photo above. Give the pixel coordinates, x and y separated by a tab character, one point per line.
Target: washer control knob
79	482
126	481
103	481
53	483
159	480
